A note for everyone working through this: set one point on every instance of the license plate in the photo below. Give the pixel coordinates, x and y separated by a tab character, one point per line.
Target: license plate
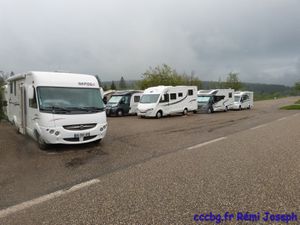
81	135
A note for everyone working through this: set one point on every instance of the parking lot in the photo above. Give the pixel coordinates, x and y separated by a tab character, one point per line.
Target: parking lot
27	172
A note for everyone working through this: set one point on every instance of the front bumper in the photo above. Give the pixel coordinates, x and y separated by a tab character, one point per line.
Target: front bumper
73	136
147	113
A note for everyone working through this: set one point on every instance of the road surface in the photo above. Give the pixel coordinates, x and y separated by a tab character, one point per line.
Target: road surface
157	171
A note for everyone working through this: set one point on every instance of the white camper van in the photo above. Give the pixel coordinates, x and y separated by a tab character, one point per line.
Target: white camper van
57	108
243	100
215	100
165	100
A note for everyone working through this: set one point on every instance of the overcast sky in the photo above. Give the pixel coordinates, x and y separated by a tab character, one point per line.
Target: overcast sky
259	39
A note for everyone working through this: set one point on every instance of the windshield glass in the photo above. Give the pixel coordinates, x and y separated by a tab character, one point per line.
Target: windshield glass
237	98
114	100
69	100
149	98
203	99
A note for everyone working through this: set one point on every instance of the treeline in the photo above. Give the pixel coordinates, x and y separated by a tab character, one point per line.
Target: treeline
165	75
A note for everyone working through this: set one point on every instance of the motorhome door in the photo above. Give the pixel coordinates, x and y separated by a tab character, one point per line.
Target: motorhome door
21	96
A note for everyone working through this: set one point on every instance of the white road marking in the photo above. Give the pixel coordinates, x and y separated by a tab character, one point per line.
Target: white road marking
296	114
259	126
206	143
283	118
44	198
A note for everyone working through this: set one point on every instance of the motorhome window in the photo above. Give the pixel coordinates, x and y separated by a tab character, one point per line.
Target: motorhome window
115	99
173	96
190	92
70	100
245	97
149	98
203	99
11	87
15	88
126	99
218	98
136	98
237	98
230	95
164	98
180	94
32	101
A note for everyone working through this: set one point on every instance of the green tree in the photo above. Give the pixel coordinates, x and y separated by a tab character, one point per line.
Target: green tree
113	86
165	75
297	86
122	84
232	81
105	87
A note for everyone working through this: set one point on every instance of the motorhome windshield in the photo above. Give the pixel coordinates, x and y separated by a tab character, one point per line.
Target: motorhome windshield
203	99
115	99
149	98
69	100
237	98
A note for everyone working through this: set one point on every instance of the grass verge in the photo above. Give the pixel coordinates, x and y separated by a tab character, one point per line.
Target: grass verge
291	107
297	102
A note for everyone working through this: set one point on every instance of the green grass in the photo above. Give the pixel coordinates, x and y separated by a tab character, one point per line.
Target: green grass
297	102
291	107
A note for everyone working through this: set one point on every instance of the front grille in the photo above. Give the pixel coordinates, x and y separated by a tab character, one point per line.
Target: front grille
89	137
80	126
71	139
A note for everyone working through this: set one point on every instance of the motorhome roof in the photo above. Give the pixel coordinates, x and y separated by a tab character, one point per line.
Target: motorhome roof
59	79
156	89
125	92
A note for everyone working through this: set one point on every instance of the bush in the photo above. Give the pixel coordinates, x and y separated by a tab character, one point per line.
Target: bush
165	75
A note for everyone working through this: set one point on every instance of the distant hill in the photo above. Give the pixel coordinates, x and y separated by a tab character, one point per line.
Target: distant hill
255	87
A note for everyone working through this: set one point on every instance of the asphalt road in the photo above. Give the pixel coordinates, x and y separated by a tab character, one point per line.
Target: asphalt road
147	175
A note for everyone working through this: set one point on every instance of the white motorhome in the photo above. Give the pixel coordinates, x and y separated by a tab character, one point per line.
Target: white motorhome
243	100
57	108
165	100
215	100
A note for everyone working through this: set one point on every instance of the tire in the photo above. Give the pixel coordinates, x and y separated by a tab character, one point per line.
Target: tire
119	113
185	112
97	141
159	114
41	143
209	110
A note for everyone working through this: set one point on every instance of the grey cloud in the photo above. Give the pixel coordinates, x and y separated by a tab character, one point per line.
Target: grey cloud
114	38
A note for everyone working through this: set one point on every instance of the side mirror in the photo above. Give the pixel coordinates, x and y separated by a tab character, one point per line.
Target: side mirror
30	92
4	103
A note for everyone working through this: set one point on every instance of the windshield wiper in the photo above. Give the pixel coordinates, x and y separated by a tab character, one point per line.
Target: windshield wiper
55	109
86	109
95	108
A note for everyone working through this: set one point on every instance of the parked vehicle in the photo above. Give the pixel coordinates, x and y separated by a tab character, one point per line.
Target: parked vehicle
107	95
123	103
165	100
57	108
243	100
215	100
